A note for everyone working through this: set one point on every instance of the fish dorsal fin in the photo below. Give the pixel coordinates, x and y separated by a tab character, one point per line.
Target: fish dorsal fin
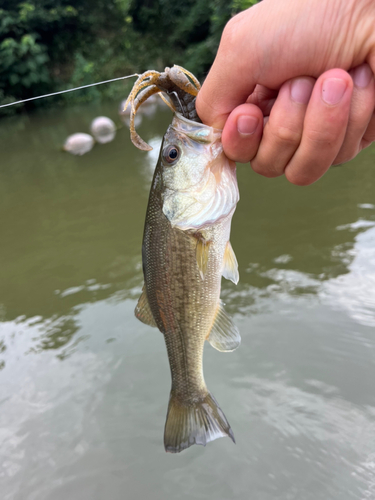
202	252
224	335
143	310
230	269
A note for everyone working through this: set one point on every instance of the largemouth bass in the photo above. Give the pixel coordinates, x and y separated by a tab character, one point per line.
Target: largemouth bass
185	252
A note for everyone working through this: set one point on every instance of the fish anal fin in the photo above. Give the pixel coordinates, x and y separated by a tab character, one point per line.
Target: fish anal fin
224	335
202	251
195	423
230	269
143	310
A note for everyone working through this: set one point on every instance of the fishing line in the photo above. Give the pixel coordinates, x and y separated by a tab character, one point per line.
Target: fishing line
69	90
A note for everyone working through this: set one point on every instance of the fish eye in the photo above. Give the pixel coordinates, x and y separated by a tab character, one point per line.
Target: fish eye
171	154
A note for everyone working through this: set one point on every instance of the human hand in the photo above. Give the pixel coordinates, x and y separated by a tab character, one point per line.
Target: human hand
296	78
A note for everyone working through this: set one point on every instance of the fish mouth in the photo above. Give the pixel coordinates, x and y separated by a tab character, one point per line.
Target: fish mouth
198	132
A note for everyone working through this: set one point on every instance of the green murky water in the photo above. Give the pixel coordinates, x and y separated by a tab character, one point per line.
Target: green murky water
84	386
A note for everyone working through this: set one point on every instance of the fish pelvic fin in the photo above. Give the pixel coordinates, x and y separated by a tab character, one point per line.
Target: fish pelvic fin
143	310
195	423
224	335
230	269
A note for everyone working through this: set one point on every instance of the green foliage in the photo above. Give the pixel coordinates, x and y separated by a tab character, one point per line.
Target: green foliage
239	5
23	61
48	45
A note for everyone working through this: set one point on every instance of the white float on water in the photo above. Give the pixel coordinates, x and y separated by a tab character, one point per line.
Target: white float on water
103	129
79	144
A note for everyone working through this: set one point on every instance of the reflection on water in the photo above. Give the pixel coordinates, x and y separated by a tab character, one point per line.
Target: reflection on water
84	385
355	292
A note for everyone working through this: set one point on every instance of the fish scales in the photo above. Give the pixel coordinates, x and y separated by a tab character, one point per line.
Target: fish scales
180	302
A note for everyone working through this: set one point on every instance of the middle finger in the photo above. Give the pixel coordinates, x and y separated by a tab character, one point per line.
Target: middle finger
283	131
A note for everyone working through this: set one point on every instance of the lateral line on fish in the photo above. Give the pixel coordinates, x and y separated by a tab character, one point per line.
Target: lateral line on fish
185	358
68	90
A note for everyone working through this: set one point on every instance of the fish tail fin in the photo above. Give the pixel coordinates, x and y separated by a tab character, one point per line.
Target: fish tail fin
195	423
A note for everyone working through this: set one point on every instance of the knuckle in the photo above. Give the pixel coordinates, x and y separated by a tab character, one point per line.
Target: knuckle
255	165
322	138
366	143
297	178
229	32
347	155
369	138
286	135
260	169
233	31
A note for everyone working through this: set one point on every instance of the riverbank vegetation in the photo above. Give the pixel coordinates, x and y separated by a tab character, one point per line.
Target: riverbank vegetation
50	45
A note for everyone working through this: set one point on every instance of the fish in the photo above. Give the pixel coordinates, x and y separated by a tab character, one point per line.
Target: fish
185	252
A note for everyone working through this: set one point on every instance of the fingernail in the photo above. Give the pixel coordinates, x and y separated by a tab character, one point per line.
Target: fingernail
333	90
247	125
361	75
300	90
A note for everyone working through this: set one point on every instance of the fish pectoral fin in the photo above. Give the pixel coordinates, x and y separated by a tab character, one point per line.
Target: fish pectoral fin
230	269
143	310
202	251
224	335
